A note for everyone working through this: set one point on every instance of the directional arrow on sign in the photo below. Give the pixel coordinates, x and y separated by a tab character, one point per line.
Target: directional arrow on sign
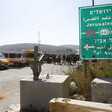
88	47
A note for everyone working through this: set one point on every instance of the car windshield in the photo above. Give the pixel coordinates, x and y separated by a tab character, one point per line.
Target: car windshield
2	56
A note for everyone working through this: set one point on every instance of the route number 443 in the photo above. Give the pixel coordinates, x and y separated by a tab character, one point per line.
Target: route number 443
105	32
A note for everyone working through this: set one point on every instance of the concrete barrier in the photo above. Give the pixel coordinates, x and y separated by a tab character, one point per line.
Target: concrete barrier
36	94
69	105
101	90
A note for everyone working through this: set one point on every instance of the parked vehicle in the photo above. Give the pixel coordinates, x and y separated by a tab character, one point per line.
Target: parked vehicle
3	62
15	58
30	56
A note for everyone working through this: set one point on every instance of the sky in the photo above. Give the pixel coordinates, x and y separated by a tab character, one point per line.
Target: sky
55	22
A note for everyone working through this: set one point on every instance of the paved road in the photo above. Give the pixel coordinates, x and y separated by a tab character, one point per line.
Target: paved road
10	81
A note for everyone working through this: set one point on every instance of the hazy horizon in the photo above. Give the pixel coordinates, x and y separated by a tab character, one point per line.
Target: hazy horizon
37	43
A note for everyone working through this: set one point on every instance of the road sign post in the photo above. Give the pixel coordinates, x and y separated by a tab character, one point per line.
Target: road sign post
95	32
93	2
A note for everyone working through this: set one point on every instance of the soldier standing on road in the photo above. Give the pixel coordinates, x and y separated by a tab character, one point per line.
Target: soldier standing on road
54	59
68	59
59	59
64	59
74	59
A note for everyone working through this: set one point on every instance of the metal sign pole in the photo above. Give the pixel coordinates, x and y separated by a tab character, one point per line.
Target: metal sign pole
92	2
85	64
36	53
85	68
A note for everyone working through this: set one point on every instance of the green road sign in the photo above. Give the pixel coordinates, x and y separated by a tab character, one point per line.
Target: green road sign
95	32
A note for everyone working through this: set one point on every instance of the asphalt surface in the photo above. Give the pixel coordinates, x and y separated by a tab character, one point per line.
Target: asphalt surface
10	82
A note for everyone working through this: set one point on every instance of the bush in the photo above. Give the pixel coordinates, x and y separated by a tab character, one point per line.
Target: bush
100	69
